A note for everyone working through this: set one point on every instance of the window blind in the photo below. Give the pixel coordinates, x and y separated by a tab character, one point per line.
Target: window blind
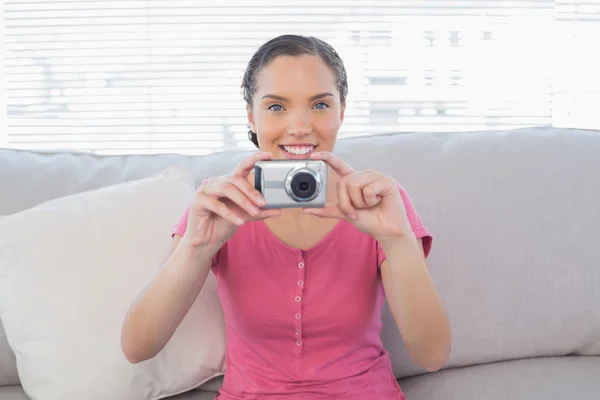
149	76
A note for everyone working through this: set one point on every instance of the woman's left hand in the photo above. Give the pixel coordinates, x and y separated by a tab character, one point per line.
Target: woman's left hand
368	199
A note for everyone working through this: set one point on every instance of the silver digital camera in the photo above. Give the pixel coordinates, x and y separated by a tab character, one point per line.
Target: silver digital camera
291	183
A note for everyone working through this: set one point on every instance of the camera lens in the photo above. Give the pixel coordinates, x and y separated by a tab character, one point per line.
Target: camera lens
303	185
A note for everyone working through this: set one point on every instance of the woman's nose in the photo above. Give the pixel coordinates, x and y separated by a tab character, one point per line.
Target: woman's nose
300	124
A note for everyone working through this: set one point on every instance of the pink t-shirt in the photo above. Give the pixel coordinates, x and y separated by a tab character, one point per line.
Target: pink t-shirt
305	324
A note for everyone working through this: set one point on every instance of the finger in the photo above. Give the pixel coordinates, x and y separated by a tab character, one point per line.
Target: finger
246	217
219	208
250	191
264	214
375	191
337	164
343	199
371	199
245	166
355	194
355	185
228	189
331	211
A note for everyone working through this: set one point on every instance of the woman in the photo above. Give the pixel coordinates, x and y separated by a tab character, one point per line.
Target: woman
302	289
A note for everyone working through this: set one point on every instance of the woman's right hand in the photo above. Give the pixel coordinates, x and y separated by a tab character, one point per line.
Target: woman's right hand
223	204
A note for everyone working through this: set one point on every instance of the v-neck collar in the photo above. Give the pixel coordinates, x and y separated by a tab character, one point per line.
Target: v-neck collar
271	237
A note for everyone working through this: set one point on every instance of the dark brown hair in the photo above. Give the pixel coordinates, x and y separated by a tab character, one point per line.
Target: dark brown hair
292	45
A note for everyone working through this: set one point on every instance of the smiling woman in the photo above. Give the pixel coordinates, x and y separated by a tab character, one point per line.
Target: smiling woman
302	289
295	84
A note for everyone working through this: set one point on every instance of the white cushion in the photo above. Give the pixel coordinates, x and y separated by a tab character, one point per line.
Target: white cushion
70	268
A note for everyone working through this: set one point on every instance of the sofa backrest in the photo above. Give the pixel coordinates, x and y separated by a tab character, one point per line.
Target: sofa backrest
514	214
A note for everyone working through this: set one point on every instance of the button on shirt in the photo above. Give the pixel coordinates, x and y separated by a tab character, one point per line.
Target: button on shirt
305	324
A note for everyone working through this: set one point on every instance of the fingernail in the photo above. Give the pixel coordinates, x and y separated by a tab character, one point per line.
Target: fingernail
260	201
353	216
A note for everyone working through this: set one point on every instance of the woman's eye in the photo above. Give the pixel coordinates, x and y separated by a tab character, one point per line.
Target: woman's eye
321	106
275	107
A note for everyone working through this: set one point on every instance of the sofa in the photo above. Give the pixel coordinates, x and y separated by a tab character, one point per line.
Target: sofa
515	216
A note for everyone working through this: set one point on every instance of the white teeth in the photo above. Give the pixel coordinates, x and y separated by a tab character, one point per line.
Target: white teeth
299	149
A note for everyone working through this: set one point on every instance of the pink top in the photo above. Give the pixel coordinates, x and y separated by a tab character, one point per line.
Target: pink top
305	323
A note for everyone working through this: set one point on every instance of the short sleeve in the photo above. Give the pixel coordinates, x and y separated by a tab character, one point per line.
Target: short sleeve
420	231
181	226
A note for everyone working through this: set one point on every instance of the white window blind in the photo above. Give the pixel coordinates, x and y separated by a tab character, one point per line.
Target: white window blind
147	76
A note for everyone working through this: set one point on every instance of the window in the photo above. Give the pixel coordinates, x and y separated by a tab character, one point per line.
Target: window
148	76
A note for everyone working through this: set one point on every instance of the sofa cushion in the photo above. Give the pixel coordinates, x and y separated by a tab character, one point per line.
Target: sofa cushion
8	367
192	395
529	379
12	393
70	268
17	393
8	364
213	385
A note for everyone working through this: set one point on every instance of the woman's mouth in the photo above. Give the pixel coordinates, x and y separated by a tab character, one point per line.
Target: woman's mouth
300	151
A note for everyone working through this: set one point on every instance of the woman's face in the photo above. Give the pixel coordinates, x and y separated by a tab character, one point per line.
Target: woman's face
296	108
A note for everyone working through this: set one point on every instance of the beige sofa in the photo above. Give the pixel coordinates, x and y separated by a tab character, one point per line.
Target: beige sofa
516	219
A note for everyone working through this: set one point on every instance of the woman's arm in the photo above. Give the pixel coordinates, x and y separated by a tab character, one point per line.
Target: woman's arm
415	303
377	205
159	309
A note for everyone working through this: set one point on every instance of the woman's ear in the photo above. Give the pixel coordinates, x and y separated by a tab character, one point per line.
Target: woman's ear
342	113
250	114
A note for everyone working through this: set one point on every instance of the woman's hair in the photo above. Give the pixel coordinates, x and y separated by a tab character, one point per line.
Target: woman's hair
292	45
